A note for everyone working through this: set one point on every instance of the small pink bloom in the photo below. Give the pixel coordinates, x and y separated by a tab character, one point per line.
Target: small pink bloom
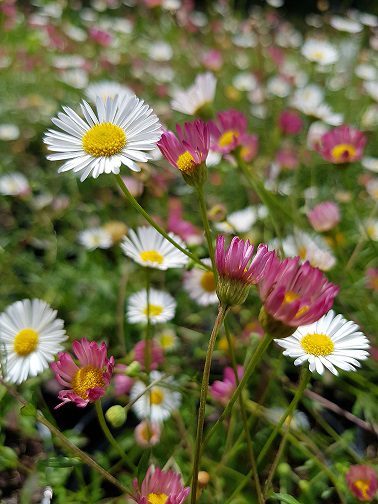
372	279
147	434
249	145
324	216
295	294
343	144
227	131
157	354
222	391
287	158
212	60
134	185
122	382
182	228
362	482
102	37
290	122
159	485
88	381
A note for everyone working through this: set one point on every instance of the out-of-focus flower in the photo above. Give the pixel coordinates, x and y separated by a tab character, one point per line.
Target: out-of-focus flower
248	147
30	337
342	145
167	339
160	51
157	354
372	188
227	131
9	132
116	229
371	88
150	249
287	158
158	402
278	86
14	184
319	51
241	221
362	482
95	238
222	391
371	228
313	249
120	133
200	285
160	487
315	133
147	434
101	37
122	382
309	100
198	98
369	119
87	382
324	216
370	163
212	60
185	229
331	342
160	307
134	186
366	72
345	24
372	279
107	89
290	122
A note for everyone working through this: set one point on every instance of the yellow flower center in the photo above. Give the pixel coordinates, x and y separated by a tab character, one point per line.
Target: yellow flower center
302	252
151	256
154	311
343	153
105	139
156	396
363	487
166	341
25	342
290	296
87	378
317	344
318	55
228	138
185	162
154	498
208	281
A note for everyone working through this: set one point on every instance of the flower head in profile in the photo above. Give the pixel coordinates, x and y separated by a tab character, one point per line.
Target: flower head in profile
88	380
341	145
198	98
120	133
200	285
227	131
222	390
160	307
160	487
331	342
30	336
362	482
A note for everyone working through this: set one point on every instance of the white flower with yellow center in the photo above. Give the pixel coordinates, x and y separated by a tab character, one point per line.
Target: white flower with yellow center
156	403
120	133
30	337
149	248
95	238
200	285
197	97
167	339
159	308
107	89
331	342
371	228
319	51
312	248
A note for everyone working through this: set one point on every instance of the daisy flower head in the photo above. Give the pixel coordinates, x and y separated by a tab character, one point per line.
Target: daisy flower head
147	434
341	145
227	130
362	482
107	89
88	380
319	51
30	336
119	133
200	285
149	248
159	308
324	216
95	238
222	390
157	403
331	342
14	184
198	98
311	248
160	487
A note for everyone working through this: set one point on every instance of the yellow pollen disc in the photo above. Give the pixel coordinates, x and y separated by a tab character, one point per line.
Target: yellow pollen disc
317	55
151	256
317	344
302	252
166	341
146	433
155	310
105	139
343	152
228	138
25	342
156	396
185	162
208	281
363	487
154	498
302	311
290	296
87	378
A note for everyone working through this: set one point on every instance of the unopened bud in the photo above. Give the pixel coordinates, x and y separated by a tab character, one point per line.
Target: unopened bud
133	369
116	416
203	479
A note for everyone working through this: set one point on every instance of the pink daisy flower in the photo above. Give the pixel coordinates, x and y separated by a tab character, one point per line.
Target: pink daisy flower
160	487
290	122
343	144
157	354
87	381
122	382
362	482
227	131
222	391
249	145
324	216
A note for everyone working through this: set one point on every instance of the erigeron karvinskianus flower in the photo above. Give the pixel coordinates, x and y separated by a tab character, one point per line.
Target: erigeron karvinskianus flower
341	145
331	342
95	238
160	487
188	150
88	380
313	249
157	354
198	98
200	285
238	269
227	131
324	216
149	248
30	337
14	184
319	51
122	132
222	390
362	482
159	308
147	434
107	89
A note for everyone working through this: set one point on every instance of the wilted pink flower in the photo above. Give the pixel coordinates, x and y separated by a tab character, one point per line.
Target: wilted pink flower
248	147
147	434
343	144
122	382
295	294
372	279
88	382
362	482
290	122
227	130
157	354
160	487
324	216
222	391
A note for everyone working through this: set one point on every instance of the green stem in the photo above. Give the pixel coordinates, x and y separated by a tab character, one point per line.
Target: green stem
206	225
147	339
133	202
120	314
201	410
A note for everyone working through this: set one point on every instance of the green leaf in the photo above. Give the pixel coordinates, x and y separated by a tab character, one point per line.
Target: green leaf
143	466
61	462
28	411
286	498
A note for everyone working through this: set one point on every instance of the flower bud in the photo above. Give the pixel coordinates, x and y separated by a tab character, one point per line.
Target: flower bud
116	416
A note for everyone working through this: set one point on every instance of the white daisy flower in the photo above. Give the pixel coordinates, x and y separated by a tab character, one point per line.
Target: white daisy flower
200	285
309	248
107	89
14	184
278	86
319	51
370	163
240	221
157	403
167	339
198	96
371	87
95	238
369	119
119	134
30	336
9	132
330	342
160	307
345	24
149	248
